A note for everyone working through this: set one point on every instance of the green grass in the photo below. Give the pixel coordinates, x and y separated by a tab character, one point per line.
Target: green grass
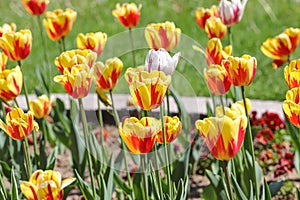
262	19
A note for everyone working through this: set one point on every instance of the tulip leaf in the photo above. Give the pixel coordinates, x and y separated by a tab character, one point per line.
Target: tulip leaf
121	184
209	193
154	184
298	194
294	133
109	179
84	188
42	79
3	192
14	186
266	191
238	189
52	159
60	111
180	190
137	186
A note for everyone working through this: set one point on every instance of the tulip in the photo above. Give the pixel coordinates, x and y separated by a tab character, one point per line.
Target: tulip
106	75
172	129
224	136
236	109
41	106
103	97
148	89
281	46
214	52
44	185
6	28
11	81
59	23
93	41
76	82
215	28
162	35
139	135
68	59
231	12
3	61
291	106
18	124
35	7
241	69
128	15
292	74
217	79
202	14
162	61
16	45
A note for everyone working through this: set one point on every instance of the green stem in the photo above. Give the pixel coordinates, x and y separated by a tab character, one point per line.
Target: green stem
230	36
214	104
168	102
157	174
251	148
225	167
116	116
166	152
28	108
44	44
144	176
222	104
132	47
63	44
27	157
86	140
100	120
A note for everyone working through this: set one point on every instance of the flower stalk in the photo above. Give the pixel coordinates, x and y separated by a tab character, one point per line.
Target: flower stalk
27	157
166	151
249	139
132	47
86	139
143	163
116	116
227	175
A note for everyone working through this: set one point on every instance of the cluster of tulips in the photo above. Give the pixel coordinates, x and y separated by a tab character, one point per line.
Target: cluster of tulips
224	132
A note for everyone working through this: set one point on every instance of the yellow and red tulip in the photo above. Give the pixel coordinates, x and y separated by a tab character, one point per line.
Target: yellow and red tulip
11	81
3	61
18	124
35	7
231	12
77	81
292	74
217	79
281	46
224	136
59	23
162	61
128	14
215	28
214	52
16	45
162	35
44	185
139	135
241	69
6	28
147	89
291	106
202	14
236	109
41	106
93	41
68	59
106	75
173	127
